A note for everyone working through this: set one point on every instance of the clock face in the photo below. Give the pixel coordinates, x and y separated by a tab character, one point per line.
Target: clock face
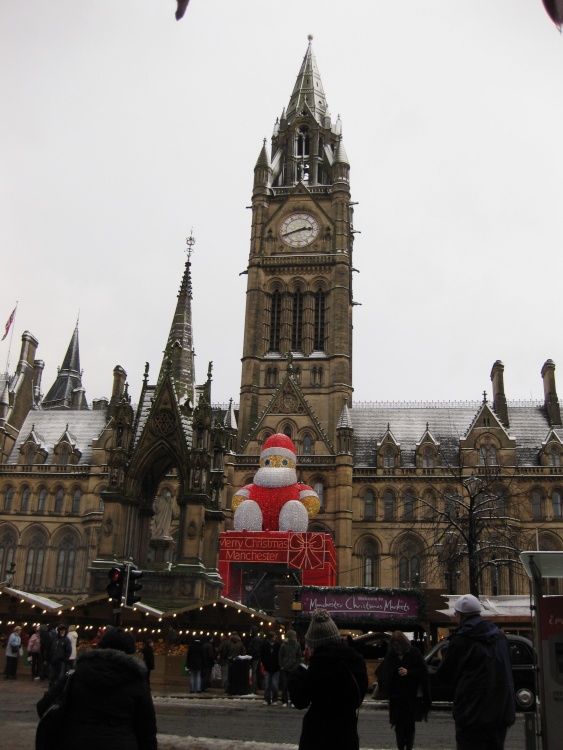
299	230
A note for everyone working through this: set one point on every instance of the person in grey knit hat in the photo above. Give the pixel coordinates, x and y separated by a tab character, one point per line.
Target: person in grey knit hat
332	686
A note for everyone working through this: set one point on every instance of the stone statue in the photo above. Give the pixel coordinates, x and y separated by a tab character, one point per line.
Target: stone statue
162	519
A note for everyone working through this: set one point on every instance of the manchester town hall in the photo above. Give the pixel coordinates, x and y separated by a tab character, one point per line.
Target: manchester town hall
441	496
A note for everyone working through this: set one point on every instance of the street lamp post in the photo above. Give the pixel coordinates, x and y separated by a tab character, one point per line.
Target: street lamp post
473	486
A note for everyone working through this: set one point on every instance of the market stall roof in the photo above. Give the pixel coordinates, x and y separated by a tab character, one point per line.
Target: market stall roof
218	615
97	599
34	600
502	608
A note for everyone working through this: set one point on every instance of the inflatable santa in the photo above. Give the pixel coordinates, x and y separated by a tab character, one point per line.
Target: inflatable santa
275	501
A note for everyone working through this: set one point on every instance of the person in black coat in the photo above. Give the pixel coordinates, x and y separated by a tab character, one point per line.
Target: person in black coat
269	656
148	657
61	649
332	687
109	700
477	663
195	663
403	676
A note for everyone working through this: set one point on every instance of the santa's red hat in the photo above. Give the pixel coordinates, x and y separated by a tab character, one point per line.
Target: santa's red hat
278	445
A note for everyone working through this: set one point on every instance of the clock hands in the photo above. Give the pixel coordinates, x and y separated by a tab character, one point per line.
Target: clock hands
301	229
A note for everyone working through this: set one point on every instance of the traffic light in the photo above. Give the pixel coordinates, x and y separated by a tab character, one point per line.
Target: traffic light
133	585
115	586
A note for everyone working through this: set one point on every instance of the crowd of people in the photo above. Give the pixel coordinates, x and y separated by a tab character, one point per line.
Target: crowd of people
323	674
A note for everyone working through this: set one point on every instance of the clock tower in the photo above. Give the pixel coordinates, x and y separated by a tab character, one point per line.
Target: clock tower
298	325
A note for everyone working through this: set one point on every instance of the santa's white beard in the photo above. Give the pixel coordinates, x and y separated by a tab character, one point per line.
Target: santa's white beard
272	476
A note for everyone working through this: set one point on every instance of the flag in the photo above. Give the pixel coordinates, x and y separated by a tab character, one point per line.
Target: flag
9	323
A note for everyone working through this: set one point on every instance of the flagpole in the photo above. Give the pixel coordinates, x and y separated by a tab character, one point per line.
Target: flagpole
12	326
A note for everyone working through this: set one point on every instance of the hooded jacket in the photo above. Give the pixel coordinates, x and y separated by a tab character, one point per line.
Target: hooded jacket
110	705
333	688
477	663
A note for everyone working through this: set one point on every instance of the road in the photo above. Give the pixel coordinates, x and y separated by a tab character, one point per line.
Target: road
183	722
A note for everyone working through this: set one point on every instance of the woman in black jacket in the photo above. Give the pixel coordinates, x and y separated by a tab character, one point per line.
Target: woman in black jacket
332	686
109	700
403	676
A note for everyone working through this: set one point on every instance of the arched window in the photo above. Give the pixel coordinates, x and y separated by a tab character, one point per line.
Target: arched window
29	457
25	499
369	559
320	490
8	498
59	497
388	505
554	456
409	565
42	500
275	322
369	505
66	558
77	495
35	561
7	551
408	506
488	455
451	504
307	445
297	322
64	454
319	332
389	458
556	503
287	431
536	504
428	458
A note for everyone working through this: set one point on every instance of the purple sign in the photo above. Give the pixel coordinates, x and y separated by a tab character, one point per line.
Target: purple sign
365	606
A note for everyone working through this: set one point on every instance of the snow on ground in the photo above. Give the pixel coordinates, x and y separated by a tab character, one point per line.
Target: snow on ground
172	742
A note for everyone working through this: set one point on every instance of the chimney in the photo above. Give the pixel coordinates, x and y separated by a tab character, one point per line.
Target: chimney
550	393
38	367
119	378
499	399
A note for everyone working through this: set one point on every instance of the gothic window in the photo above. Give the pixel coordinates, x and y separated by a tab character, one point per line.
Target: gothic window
488	455
275	321
320	323
320	490
388	505
64	455
59	497
554	456
369	505
29	456
7	551
307	445
42	501
556	503
369	559
389	458
8	498
297	322
287	431
25	499
303	141
408	506
409	565
35	561
66	558
451	502
76	501
428	458
536	504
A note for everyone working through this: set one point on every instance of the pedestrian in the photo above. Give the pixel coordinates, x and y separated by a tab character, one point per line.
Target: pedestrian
332	686
109	701
403	677
194	663
46	641
230	648
61	649
34	651
477	663
13	648
73	638
270	658
255	649
290	657
148	657
208	662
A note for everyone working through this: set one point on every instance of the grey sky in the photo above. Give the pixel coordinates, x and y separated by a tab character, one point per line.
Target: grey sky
120	129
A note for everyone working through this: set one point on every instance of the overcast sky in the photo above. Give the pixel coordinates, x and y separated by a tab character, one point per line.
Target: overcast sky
121	129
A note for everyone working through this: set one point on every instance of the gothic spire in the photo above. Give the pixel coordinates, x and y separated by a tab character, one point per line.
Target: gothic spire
67	391
179	354
308	93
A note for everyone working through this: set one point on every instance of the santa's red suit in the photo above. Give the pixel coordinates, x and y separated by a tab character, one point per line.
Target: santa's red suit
275	501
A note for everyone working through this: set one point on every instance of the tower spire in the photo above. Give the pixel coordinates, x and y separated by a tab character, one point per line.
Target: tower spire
67	391
308	94
179	354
